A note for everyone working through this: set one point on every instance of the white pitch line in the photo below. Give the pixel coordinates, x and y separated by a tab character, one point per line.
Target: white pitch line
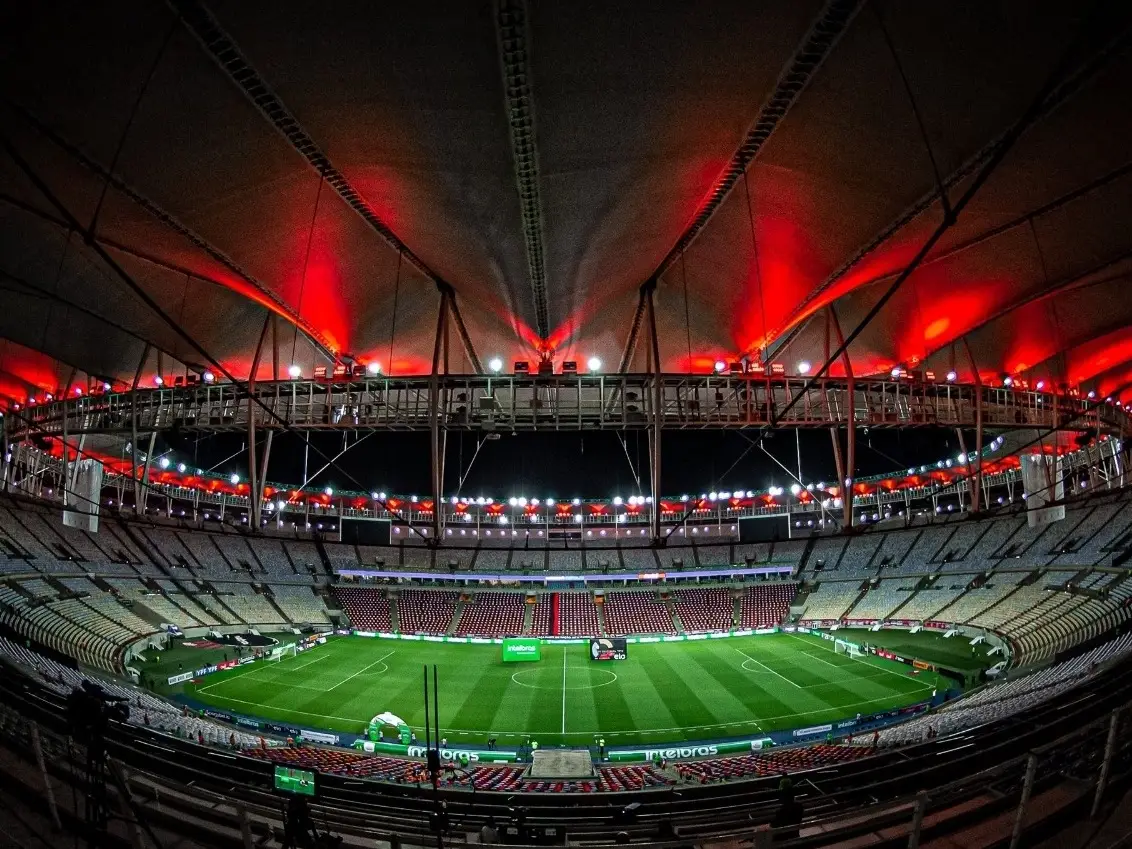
564	689
767	668
741	722
309	663
875	666
360	671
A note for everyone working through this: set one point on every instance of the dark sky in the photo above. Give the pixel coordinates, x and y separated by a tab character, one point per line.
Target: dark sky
567	465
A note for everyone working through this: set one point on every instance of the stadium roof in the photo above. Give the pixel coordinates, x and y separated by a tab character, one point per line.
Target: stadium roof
342	164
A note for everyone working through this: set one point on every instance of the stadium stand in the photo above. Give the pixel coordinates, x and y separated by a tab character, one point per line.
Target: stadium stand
880	601
578	615
637	613
831	600
703	609
1000	700
299	604
492	615
367	608
766	605
425	611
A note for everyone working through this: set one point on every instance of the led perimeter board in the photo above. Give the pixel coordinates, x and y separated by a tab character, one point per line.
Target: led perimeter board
608	648
297	781
516	649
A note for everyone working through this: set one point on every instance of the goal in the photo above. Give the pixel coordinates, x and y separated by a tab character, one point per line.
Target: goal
847	648
280	652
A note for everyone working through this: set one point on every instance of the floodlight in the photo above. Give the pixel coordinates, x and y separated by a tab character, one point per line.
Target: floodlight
163	462
158	380
952	376
235	479
78	390
295	371
373	368
720	366
594	363
1008	381
795	488
328	492
804	367
181	468
495	364
208	377
617	500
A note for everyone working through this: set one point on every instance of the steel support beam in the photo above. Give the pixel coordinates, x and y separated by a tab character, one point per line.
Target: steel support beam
465	338
657	417
134	425
514	61
255	488
846	481
439	356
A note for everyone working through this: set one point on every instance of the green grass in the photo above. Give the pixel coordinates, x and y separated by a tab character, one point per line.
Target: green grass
954	653
664	692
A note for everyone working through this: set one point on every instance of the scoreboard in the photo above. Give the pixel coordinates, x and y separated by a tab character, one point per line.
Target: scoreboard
608	648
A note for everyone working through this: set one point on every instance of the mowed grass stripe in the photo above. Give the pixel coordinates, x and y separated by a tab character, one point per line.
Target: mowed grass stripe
684	705
664	692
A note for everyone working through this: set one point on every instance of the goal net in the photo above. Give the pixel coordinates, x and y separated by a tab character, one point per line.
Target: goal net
846	648
280	652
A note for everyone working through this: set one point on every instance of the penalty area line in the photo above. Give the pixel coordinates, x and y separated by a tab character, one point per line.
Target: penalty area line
360	671
767	668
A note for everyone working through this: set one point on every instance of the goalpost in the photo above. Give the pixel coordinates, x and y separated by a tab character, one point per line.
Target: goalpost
847	648
280	652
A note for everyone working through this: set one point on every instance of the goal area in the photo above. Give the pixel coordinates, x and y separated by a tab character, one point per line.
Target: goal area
847	648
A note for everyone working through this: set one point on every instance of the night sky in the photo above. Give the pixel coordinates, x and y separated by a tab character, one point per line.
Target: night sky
568	465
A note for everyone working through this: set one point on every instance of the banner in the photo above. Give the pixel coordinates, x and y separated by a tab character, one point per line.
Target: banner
516	649
692	750
180	679
817	729
319	737
608	648
472	755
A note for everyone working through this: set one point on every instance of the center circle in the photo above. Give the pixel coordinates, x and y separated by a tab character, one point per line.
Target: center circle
557	686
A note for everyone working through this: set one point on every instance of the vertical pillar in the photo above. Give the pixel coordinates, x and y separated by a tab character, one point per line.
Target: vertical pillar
657	415
918	819
437	462
254	488
846	482
1109	747
259	494
48	790
134	428
976	491
1027	789
143	482
65	484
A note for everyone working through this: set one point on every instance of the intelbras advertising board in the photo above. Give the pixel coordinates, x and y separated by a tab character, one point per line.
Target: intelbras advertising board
608	648
516	649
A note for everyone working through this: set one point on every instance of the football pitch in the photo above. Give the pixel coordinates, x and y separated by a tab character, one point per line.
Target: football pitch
663	692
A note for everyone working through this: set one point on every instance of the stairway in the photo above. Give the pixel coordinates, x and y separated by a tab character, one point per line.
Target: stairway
265	591
921	584
394	614
674	615
600	617
1015	589
224	609
456	614
528	618
327	567
101	584
737	610
864	591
